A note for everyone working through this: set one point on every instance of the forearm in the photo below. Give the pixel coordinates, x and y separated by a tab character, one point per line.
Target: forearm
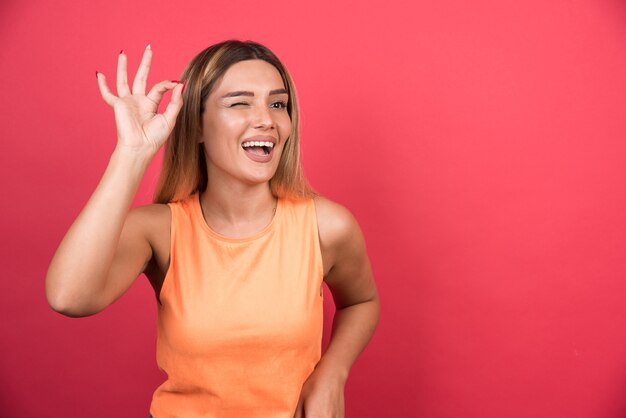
353	327
84	256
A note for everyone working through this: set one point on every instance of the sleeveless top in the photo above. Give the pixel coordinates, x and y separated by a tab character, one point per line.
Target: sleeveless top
240	319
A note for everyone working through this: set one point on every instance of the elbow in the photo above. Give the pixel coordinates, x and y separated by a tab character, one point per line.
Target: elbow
63	308
373	308
376	309
62	301
67	308
62	305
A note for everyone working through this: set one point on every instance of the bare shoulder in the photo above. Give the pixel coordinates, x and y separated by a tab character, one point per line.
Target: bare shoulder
335	222
153	221
151	215
347	270
339	233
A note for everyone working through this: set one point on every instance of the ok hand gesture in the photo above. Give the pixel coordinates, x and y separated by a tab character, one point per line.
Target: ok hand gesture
139	127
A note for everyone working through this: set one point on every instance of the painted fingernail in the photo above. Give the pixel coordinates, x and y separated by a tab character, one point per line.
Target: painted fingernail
184	85
121	52
176	81
97	72
148	47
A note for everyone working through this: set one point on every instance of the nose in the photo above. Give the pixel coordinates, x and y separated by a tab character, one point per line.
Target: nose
263	118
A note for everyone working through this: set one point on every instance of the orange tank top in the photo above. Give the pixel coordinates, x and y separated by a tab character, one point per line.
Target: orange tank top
240	319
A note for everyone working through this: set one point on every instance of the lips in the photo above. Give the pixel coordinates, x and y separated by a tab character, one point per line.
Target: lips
259	148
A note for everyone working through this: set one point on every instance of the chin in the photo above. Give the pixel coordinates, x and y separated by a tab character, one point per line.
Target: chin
259	178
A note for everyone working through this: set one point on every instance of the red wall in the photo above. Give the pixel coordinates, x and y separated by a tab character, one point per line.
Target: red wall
480	144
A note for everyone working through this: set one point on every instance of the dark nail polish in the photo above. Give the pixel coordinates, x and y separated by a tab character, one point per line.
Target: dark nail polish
175	81
97	73
121	52
184	85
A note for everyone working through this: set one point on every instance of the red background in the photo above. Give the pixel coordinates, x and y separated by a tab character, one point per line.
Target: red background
480	145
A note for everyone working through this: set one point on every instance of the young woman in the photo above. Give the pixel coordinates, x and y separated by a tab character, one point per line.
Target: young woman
236	244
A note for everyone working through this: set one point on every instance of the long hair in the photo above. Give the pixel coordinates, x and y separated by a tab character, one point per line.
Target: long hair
184	164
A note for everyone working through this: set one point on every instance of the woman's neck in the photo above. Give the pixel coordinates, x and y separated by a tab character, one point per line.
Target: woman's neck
238	209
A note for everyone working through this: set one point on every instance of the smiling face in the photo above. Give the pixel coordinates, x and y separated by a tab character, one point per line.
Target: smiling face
245	123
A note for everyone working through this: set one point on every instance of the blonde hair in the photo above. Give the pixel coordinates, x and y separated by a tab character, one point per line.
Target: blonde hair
184	164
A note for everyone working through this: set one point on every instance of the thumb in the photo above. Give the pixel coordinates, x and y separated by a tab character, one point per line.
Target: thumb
174	106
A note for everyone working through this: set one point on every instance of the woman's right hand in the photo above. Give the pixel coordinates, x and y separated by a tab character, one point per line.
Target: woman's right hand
108	247
139	127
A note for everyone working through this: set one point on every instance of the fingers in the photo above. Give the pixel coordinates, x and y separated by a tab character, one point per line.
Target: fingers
122	77
159	89
139	84
174	106
108	97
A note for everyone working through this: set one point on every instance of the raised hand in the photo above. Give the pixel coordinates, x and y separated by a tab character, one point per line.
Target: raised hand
139	127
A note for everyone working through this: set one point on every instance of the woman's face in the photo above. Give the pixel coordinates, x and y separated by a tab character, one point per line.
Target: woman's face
245	123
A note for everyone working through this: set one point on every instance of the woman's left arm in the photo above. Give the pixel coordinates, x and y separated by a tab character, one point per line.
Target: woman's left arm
348	275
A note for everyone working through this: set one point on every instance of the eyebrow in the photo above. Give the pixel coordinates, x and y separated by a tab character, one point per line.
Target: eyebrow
249	93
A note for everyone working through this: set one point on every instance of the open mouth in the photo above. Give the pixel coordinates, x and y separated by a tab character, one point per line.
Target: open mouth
258	147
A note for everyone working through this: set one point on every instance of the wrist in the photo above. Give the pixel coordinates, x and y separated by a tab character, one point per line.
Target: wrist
332	371
133	155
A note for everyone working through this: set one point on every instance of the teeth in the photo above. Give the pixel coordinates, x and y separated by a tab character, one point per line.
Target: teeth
257	144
